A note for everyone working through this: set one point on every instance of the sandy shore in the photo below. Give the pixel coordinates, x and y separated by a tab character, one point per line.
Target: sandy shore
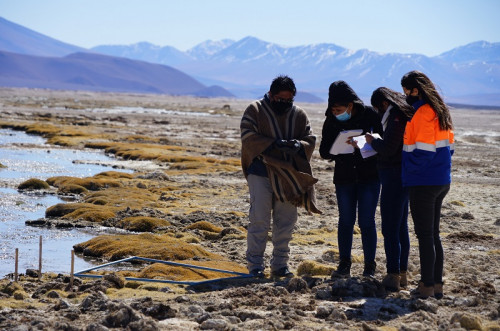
207	131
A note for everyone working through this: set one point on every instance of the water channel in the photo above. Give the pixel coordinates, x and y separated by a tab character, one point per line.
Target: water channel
28	156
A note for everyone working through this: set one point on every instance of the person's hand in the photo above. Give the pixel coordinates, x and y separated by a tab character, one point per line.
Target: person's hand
288	146
369	138
353	142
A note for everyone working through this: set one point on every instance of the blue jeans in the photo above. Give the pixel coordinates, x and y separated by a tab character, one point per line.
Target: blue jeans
364	198
394	212
425	205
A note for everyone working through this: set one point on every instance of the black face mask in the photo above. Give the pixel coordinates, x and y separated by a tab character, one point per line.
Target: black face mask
412	99
281	107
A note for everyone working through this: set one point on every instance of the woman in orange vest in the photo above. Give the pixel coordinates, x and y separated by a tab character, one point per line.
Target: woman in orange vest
426	170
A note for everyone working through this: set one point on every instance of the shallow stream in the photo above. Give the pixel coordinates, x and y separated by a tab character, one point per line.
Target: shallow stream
28	156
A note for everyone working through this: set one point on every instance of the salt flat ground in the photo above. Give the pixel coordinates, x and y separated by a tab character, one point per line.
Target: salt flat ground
470	221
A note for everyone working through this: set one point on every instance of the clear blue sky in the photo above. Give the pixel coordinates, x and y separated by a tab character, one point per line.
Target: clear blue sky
427	27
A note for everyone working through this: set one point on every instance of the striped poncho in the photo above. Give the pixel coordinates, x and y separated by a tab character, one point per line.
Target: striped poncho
291	176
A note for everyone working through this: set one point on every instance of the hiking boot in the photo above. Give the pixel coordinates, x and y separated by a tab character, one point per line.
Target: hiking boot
403	276
257	273
344	269
422	291
282	272
392	282
438	291
369	270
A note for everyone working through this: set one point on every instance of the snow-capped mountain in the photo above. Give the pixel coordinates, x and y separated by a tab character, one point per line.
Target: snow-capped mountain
469	73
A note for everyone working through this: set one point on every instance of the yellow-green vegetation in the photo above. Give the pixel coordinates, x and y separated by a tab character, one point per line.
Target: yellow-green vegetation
176	273
131	197
334	255
142	223
64	135
313	268
206	229
34	184
175	156
206	226
457	203
90	183
131	147
71	188
161	247
82	211
320	236
9	287
114	174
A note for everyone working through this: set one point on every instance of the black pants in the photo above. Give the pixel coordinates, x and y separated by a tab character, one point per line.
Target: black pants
425	205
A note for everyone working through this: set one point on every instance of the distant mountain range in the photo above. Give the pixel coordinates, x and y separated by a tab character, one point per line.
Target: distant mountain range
29	59
467	74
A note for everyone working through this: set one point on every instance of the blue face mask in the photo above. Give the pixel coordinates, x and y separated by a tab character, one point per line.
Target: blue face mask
344	116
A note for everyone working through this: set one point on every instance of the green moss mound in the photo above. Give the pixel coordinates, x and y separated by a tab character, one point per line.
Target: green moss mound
142	223
34	184
161	247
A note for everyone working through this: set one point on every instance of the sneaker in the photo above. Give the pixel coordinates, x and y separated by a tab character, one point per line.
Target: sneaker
282	272
344	269
369	270
391	282
257	273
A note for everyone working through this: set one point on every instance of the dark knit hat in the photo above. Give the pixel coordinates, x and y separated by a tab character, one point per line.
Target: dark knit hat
341	92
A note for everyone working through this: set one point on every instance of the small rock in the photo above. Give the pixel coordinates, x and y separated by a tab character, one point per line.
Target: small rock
323	311
96	327
120	317
297	285
32	273
182	298
116	280
426	305
160	311
324	293
195	310
214	324
143	325
467	216
53	295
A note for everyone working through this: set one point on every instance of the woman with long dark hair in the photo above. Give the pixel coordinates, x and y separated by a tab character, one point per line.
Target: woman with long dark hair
395	113
426	170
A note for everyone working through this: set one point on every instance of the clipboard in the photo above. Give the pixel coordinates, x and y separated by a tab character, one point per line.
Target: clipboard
340	146
365	148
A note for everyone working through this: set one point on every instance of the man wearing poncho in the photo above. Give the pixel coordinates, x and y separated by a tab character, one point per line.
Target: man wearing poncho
277	145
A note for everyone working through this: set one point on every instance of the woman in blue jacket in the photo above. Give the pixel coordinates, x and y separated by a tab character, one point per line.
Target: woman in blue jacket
426	170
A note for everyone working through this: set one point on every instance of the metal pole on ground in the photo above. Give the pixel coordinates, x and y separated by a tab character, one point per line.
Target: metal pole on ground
72	268
16	266
40	260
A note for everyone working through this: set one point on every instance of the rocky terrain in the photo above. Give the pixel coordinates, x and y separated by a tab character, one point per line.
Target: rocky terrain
188	194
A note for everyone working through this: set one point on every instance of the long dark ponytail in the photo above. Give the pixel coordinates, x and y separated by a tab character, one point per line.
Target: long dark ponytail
429	93
394	98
